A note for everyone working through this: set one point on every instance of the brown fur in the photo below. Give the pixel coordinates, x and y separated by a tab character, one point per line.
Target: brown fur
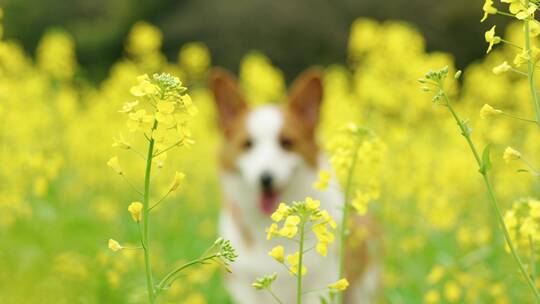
232	114
233	145
300	114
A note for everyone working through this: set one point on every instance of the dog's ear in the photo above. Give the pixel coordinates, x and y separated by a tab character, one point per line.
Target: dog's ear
305	96
230	103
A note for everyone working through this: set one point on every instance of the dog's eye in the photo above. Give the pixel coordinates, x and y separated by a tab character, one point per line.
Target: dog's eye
286	143
247	144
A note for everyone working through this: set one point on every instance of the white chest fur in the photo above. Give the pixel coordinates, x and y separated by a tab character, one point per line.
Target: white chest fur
253	260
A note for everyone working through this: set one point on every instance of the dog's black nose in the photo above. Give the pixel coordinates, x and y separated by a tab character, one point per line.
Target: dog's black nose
266	180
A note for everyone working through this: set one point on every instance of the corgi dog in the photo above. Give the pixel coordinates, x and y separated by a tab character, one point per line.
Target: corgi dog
270	155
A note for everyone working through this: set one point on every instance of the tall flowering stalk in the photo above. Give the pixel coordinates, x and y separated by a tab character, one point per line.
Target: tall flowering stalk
435	80
160	114
521	222
350	147
296	219
524	11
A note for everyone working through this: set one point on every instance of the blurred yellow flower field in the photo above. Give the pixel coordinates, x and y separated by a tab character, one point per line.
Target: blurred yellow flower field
62	207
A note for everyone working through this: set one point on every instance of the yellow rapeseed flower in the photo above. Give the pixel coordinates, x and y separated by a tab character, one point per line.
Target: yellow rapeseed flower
121	143
502	68
139	120
491	38
488	9
194	57
278	253
164	112
145	87
534	28
339	285
135	209
326	218
521	58
324	238
290	227
511	154
515	6
293	260
510	219
488	111
529	227
280	213
527	13
271	231
178	179
129	106
312	204
114	245
360	202
524	56
324	179
115	165
534	206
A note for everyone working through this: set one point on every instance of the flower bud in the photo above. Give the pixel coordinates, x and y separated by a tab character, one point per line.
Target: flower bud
115	165
135	209
114	245
178	179
511	154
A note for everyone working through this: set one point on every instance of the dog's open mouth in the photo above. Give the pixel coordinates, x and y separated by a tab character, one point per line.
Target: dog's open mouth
269	201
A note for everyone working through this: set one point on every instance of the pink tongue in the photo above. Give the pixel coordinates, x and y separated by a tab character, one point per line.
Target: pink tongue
268	202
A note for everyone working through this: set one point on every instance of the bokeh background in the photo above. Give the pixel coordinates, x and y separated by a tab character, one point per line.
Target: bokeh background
66	68
293	34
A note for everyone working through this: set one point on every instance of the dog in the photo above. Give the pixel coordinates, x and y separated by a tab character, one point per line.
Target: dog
270	155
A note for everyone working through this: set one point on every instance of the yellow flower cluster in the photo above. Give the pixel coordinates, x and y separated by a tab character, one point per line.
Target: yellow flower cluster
162	110
194	58
260	80
429	204
296	218
299	213
356	155
324	179
520	10
56	55
523	222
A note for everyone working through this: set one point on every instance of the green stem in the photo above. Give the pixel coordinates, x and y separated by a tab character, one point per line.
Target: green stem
300	263
168	148
518	72
160	200
146	213
131	185
493	199
519	118
274	296
530	71
344	220
175	271
511	43
505	14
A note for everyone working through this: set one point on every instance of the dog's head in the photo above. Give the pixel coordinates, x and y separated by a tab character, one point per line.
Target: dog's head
265	147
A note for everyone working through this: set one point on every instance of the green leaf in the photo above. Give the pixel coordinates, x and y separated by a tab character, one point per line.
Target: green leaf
486	161
523	171
323	300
